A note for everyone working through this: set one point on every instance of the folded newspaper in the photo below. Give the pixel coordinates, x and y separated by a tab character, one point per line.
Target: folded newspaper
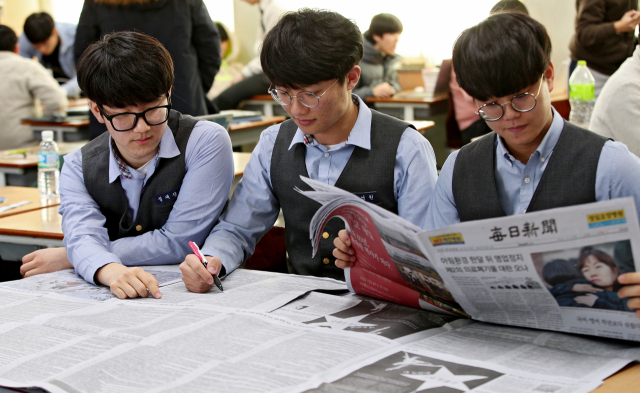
555	269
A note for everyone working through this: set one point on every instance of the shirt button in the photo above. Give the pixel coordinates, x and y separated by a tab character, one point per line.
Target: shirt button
527	180
326	154
542	159
326	261
138	228
325	235
524	211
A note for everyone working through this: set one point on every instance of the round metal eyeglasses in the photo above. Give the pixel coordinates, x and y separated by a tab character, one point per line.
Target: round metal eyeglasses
524	102
306	98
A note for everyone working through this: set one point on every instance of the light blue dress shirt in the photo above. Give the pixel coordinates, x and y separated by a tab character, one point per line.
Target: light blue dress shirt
618	175
204	191
254	208
67	34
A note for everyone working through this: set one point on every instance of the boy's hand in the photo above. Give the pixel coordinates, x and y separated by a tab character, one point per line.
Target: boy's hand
383	90
588	300
631	290
195	276
345	255
47	260
128	282
628	22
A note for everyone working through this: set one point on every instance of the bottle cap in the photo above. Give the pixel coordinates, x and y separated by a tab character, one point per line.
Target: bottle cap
47	135
582	62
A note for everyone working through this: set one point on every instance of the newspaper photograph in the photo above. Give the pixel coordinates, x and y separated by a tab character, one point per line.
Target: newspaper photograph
555	269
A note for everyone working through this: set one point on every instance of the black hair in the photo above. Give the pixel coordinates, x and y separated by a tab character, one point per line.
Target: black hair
8	38
510	6
501	56
560	271
38	27
125	69
383	24
310	46
222	31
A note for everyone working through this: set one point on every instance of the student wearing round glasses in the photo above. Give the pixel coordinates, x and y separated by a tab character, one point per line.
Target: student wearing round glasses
311	58
533	160
139	193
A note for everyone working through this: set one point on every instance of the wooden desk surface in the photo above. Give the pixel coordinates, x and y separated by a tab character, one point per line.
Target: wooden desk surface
72	123
627	381
265	122
14	194
399	99
240	161
30	158
43	223
423	125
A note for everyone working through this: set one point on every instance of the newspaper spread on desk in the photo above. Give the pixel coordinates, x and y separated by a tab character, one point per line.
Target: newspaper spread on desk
522	270
242	340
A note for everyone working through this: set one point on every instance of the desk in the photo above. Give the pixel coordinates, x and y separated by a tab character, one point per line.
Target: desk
249	132
406	103
22	171
627	380
71	131
264	101
18	194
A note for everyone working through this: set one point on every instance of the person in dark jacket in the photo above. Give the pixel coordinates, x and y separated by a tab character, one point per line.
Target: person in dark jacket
604	36
183	27
379	77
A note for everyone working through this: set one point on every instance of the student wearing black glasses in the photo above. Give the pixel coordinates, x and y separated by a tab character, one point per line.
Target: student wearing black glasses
139	193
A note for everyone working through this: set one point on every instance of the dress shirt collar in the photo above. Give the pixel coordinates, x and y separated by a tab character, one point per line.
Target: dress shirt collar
546	146
360	134
168	148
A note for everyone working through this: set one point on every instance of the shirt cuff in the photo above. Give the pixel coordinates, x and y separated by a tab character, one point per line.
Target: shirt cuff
87	268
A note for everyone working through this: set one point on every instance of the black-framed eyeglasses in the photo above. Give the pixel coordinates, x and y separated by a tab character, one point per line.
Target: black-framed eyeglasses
306	98
523	102
127	121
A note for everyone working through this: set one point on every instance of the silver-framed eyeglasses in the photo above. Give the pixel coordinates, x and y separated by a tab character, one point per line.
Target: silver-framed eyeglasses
523	102
306	98
128	120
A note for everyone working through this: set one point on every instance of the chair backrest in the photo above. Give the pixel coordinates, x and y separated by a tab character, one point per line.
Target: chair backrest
223	119
271	253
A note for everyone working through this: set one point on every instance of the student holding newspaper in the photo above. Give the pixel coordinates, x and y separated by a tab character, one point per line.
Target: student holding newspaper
512	170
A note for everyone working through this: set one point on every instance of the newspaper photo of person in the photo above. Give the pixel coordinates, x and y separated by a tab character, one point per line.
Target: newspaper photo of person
587	277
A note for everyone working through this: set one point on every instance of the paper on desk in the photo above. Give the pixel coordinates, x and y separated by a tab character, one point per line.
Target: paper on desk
67	344
13	206
67	282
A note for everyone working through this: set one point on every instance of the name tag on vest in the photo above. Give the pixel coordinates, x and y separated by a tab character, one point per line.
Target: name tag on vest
371	196
166	197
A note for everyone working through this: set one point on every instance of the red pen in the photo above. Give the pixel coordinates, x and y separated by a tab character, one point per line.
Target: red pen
196	250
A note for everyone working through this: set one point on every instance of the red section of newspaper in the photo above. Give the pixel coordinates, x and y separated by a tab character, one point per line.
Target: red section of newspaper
372	254
367	283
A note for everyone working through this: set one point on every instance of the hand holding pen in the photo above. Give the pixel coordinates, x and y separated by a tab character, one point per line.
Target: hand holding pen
203	260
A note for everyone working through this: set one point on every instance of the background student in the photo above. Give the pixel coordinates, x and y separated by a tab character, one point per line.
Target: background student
533	160
52	44
252	81
379	77
604	36
184	28
617	114
23	80
331	137
157	180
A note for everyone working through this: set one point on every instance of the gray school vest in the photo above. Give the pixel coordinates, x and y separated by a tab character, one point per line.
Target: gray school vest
569	178
367	171
158	194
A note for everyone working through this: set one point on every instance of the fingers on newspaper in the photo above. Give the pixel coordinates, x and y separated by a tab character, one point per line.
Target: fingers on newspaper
555	269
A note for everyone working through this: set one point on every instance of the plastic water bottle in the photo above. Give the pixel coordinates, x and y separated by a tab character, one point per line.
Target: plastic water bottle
581	95
48	166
